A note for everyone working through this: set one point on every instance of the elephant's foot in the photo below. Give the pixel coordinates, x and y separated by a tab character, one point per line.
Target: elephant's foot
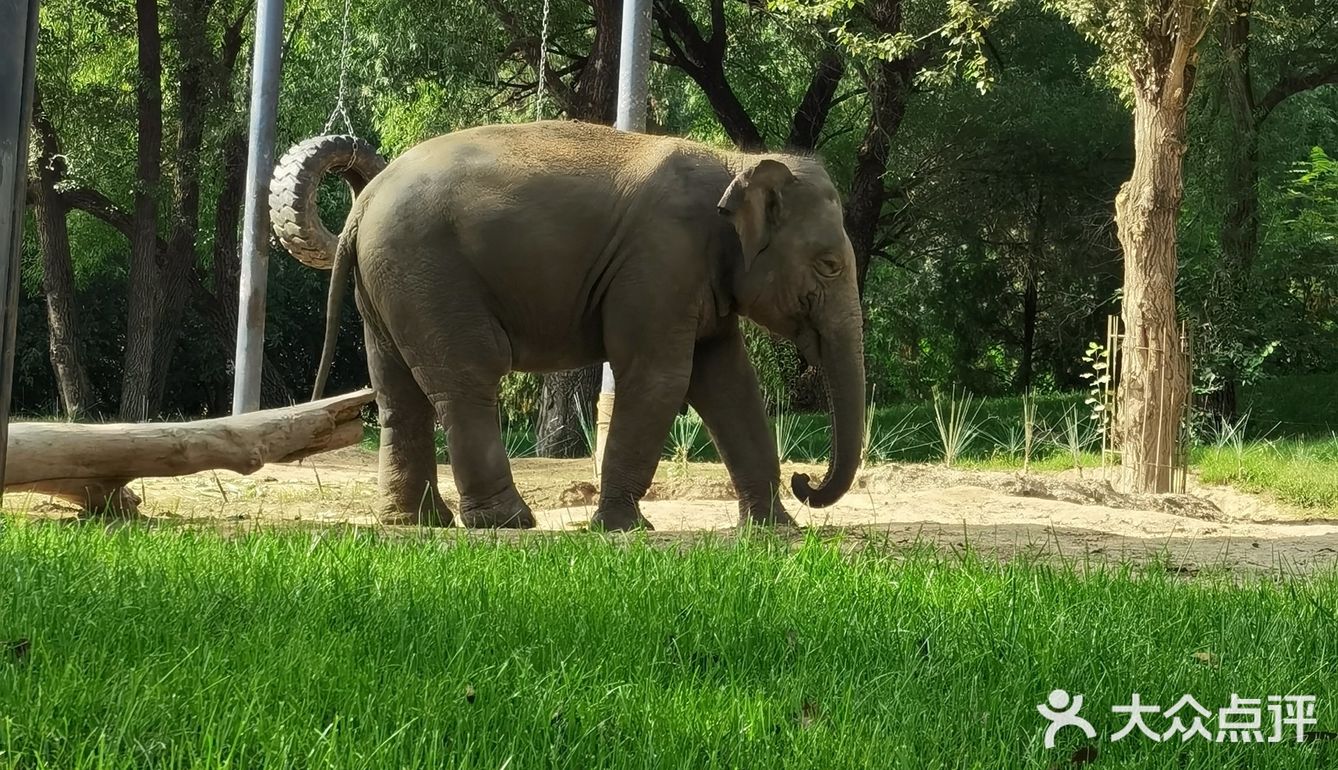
771	514
429	511
618	517
504	511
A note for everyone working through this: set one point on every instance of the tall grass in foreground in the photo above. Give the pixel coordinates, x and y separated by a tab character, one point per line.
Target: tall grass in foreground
164	648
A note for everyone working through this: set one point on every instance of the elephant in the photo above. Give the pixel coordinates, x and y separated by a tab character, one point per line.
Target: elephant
557	244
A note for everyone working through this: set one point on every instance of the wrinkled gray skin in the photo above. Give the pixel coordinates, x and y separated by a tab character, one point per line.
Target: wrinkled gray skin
554	245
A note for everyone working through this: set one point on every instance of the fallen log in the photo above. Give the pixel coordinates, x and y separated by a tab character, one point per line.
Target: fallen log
90	464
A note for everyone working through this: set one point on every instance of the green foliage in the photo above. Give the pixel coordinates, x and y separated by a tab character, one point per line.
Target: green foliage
988	192
870	30
1313	202
518	397
683	438
776	361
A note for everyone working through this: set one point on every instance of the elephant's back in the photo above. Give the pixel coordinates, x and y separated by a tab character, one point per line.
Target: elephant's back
560	182
567	149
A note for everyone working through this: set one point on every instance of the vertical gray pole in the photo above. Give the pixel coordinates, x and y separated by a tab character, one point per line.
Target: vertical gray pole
633	65
18	47
255	222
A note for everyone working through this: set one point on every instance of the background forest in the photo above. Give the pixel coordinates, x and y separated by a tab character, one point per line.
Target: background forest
979	151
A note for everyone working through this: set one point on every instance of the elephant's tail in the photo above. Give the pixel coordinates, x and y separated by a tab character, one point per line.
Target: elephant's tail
346	254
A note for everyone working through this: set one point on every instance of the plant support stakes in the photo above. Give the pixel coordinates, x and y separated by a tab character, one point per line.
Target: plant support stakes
18	46
633	65
255	227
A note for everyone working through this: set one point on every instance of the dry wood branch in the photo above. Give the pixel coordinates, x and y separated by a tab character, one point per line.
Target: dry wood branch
90	464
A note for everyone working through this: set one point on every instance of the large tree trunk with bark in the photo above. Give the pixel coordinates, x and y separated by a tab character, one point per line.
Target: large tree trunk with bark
1240	219
53	237
91	464
889	88
144	300
194	58
565	411
1153	378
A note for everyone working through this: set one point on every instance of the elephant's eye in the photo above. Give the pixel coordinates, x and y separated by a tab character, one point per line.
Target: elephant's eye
829	265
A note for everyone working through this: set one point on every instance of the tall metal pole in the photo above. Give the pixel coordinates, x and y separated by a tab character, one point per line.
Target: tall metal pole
18	48
633	66
255	223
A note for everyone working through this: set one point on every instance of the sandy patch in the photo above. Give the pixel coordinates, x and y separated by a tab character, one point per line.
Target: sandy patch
1065	515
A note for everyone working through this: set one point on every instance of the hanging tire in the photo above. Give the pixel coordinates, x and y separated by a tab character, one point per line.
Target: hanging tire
297	178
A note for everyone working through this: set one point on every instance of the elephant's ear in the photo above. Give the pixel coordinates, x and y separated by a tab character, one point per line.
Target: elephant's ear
752	202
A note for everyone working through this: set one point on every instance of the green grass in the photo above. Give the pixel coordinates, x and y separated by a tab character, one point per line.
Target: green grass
1300	471
169	648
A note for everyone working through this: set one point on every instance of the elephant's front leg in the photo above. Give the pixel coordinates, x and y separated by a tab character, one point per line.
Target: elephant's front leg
648	397
725	392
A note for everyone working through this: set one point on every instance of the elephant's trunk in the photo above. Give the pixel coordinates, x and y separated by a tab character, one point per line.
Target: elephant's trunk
841	355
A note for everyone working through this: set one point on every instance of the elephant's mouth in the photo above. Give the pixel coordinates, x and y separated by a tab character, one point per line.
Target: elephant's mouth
809	344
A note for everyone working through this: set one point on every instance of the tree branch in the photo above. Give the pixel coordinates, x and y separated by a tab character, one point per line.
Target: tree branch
1294	83
811	116
529	52
704	62
104	209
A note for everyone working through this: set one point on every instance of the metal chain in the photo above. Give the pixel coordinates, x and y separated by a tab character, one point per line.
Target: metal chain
339	109
543	66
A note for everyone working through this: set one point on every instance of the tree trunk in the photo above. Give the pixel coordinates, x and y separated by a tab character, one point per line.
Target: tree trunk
1154	379
811	116
889	87
90	464
144	300
53	237
595	95
703	59
1240	219
194	56
565	411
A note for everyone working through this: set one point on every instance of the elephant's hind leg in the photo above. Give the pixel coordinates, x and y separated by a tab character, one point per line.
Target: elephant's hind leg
408	464
465	399
488	496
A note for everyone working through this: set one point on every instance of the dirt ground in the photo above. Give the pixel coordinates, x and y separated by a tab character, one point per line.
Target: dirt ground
1065	515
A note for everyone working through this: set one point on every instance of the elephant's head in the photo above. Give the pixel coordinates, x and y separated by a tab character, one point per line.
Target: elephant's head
798	279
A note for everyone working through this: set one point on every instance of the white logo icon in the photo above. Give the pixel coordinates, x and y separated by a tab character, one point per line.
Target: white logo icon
1063	712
